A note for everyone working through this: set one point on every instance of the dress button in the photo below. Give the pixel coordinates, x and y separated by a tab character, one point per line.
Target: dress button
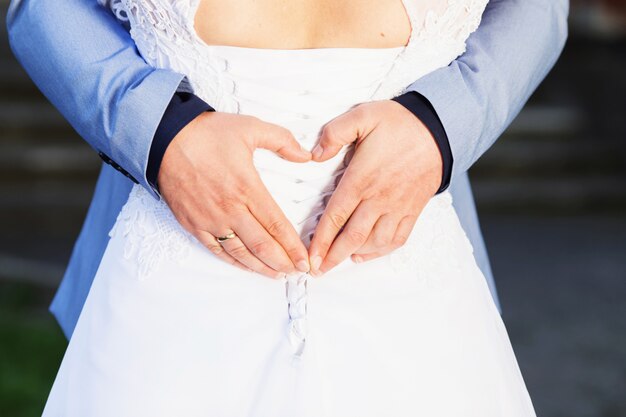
230	86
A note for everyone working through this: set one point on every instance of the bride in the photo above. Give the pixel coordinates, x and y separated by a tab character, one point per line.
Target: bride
170	329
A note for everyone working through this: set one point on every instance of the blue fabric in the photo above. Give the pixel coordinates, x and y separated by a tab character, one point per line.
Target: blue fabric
86	64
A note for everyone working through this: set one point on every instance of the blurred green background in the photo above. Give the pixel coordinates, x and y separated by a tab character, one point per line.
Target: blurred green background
551	195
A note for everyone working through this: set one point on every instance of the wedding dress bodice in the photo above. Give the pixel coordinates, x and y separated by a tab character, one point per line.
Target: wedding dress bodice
300	89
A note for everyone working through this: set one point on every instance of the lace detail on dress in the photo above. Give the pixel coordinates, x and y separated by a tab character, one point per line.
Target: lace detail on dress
166	39
116	7
437	38
427	255
151	232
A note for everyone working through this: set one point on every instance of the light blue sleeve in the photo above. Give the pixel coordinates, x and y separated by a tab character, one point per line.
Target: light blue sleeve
85	62
478	95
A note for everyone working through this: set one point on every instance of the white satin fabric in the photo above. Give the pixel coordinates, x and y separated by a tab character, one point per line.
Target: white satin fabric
170	330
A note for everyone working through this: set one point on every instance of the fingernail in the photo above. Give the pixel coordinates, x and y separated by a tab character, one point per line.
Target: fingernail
303	266
316	261
357	259
318	151
316	273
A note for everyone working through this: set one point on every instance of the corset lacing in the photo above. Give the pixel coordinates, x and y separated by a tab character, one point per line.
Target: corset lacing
305	191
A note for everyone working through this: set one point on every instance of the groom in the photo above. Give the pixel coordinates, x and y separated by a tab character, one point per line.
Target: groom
86	64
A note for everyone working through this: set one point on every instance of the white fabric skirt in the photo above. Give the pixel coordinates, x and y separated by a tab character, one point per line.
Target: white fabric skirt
415	333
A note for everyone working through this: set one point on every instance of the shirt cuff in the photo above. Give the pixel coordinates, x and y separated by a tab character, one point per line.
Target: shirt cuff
423	110
183	108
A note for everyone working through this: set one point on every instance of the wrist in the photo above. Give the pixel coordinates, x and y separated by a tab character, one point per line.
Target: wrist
421	108
179	152
182	110
430	160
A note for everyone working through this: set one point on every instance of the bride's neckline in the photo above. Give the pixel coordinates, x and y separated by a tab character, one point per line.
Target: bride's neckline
327	49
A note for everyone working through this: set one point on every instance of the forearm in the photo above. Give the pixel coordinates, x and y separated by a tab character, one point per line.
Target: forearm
478	95
86	64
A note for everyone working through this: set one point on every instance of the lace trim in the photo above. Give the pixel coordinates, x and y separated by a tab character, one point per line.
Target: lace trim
435	42
116	7
150	231
165	39
426	255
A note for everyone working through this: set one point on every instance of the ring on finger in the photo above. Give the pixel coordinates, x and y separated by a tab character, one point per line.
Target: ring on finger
221	239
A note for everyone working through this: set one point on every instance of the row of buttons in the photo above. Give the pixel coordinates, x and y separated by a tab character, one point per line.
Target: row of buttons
115	165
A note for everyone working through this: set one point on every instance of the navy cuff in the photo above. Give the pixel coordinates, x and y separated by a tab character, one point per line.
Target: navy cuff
423	110
183	108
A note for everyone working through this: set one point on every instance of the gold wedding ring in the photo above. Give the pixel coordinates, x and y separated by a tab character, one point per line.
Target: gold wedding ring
221	239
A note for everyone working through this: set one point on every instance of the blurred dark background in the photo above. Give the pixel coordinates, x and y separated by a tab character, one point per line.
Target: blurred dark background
551	194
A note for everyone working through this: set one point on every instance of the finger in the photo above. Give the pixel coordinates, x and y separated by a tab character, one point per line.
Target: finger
405	227
238	250
382	234
281	141
261	244
209	241
271	217
403	231
353	235
342	130
340	207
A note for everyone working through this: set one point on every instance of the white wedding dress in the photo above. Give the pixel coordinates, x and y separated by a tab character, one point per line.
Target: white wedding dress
170	330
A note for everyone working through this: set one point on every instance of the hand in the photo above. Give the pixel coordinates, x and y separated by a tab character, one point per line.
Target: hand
395	170
208	179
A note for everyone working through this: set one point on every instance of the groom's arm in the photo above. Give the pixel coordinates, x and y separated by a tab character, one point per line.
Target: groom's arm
468	104
87	65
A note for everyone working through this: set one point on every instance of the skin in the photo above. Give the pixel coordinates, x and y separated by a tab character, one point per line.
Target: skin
212	196
394	171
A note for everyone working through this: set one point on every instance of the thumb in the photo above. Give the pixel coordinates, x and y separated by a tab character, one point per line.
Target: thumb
337	133
282	142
